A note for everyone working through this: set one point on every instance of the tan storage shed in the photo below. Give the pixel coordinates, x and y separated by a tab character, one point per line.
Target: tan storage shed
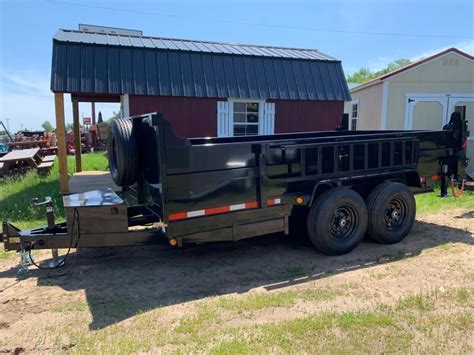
421	95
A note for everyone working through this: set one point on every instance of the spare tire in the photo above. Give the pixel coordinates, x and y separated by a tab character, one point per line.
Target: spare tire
122	152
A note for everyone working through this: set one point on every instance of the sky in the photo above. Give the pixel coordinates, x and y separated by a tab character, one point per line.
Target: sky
362	33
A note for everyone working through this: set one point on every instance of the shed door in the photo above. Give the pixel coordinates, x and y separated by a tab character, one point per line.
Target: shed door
465	105
432	112
426	113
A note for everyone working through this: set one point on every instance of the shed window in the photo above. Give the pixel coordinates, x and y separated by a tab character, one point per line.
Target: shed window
354	116
246	118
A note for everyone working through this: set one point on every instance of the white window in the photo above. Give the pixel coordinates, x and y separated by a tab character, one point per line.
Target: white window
246	118
238	117
354	115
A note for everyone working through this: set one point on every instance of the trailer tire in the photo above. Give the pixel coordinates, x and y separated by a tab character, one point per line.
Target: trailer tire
122	152
337	221
392	209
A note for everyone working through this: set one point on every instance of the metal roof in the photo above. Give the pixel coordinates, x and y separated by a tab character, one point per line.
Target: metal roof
85	62
188	45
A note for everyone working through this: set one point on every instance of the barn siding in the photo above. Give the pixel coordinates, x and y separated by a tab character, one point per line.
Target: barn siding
307	116
189	116
197	117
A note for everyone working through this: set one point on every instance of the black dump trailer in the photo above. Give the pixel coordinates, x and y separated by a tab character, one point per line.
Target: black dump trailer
334	186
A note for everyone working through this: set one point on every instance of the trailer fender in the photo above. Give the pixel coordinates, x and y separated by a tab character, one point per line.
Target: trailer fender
319	188
412	179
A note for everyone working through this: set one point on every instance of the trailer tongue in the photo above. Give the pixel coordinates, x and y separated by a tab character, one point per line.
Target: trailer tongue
335	186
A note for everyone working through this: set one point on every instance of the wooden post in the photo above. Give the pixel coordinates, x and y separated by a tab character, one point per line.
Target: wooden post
93	112
61	141
77	134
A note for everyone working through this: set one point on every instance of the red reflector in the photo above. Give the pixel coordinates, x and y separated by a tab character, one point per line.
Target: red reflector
253	204
274	201
176	216
436	177
216	210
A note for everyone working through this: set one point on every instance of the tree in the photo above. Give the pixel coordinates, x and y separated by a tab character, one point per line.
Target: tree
99	119
364	74
115	115
47	126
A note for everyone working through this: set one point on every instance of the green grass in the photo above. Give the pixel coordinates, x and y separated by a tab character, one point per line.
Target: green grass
209	326
255	302
16	192
431	202
258	301
419	302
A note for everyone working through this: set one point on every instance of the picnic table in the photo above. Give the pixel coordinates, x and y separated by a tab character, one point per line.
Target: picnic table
19	161
43	143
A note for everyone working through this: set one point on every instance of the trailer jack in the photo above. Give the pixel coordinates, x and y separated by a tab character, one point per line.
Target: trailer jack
25	261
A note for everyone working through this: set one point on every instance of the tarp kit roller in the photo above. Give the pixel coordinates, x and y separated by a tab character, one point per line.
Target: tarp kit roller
336	186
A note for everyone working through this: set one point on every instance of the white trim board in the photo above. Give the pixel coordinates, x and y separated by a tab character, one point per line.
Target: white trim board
125	100
383	117
349	123
437	94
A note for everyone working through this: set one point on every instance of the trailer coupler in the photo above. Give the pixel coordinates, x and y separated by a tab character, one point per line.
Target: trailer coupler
14	238
11	237
23	242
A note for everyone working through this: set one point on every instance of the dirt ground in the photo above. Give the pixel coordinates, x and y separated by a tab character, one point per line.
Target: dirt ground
107	293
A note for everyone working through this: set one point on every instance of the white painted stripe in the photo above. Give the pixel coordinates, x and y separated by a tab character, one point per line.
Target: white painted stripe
196	213
240	206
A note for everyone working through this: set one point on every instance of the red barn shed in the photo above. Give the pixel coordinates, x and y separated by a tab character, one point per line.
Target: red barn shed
203	88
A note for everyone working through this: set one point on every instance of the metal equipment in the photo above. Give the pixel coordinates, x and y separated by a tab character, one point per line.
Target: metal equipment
338	185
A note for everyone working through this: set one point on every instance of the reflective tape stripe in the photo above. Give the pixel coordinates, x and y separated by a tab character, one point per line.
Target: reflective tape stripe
251	204
237	207
176	216
196	213
273	202
211	211
217	210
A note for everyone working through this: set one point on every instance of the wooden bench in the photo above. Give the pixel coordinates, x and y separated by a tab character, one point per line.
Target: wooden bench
49	158
45	167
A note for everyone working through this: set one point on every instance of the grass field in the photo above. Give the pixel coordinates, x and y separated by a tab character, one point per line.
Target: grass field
16	193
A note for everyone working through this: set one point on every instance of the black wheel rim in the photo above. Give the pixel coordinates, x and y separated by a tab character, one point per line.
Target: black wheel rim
395	213
343	222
